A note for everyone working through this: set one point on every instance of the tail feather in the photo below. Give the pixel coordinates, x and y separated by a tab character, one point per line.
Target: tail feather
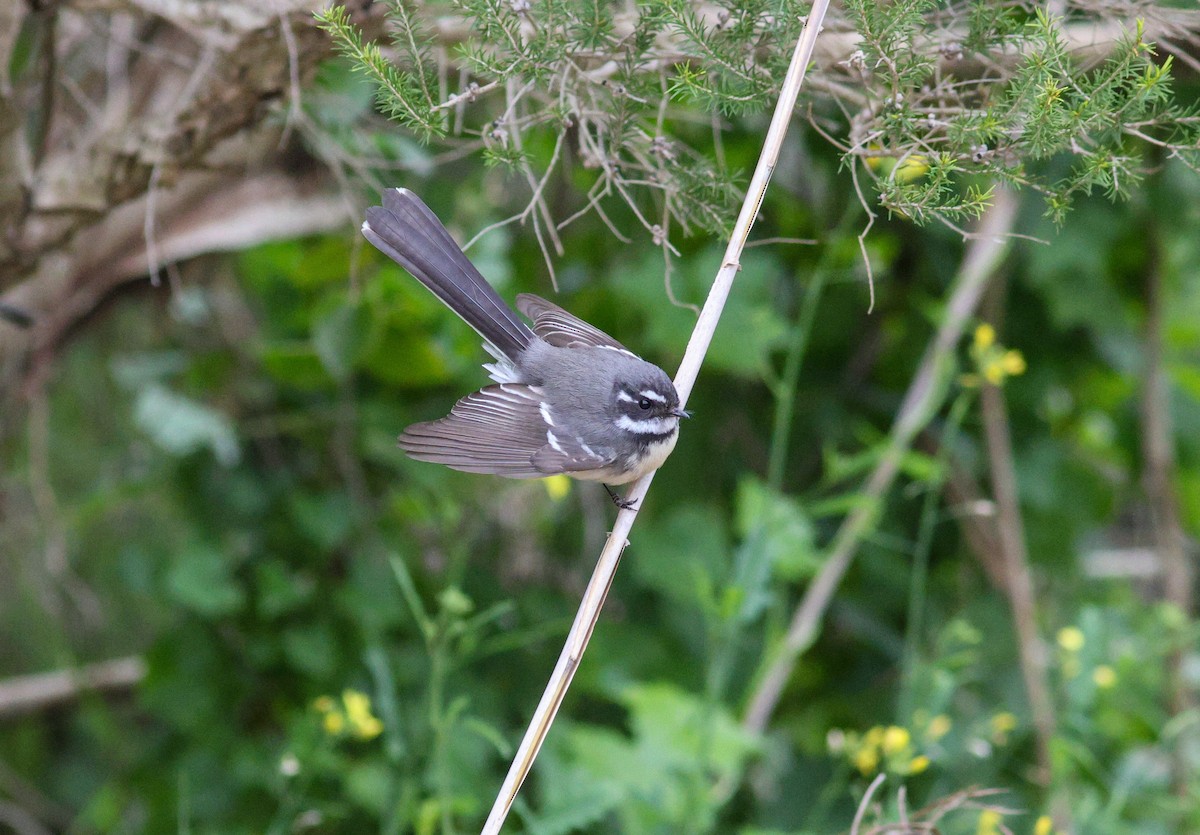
405	230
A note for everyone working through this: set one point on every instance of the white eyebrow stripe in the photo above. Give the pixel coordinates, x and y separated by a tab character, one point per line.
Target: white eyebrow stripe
626	396
650	394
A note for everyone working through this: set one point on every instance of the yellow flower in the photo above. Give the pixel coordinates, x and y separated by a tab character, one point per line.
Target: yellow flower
992	362
1013	363
334	722
1044	826
358	710
1002	723
874	737
918	764
985	337
895	739
989	822
1104	676
913	168
1071	638
910	167
939	726
866	759
557	487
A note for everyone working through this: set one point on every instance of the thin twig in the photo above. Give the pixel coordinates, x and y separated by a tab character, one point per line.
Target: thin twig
295	105
861	812
924	396
1160	468
862	236
689	369
773	241
1010	527
537	201
39	691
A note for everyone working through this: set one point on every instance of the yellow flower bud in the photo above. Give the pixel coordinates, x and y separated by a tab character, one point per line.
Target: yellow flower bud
985	336
874	737
939	726
1104	676
918	764
1013	363
557	487
334	722
866	760
358	712
1044	826
1071	638
895	739
989	822
913	168
1002	723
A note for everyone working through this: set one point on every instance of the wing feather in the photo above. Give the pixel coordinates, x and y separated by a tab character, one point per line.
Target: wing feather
560	328
502	430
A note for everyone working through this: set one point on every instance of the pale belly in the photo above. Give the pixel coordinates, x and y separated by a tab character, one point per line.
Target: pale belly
655	454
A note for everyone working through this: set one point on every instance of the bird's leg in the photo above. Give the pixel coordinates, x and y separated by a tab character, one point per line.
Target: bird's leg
624	504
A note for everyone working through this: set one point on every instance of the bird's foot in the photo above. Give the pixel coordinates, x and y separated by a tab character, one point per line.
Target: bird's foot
624	504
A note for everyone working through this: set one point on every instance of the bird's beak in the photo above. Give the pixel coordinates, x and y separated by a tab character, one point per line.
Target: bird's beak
680	413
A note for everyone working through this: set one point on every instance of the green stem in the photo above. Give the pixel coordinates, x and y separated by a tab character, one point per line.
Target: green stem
789	380
921	551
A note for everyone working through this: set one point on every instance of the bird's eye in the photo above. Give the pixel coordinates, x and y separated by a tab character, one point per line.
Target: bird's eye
644	403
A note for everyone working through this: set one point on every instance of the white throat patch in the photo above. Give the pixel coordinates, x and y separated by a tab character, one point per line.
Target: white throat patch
648	426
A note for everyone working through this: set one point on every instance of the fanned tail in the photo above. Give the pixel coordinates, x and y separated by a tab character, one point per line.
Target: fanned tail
405	230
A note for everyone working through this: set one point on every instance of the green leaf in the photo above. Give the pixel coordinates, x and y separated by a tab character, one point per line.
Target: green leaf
777	533
132	371
296	364
312	649
201	579
324	520
662	777
573	806
370	785
683	553
181	425
341	338
280	590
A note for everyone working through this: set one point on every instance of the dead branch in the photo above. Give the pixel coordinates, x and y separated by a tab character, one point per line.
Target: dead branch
25	694
920	403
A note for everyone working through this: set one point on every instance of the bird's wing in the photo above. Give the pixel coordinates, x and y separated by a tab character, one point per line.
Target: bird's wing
506	430
561	329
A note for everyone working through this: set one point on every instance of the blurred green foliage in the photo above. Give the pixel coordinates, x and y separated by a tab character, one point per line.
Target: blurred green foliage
225	481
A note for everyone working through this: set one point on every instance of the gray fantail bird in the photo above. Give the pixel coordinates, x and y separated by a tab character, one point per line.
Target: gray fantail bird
569	398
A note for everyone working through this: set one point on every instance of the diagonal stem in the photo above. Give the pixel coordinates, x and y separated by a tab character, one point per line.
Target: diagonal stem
689	369
924	397
1031	651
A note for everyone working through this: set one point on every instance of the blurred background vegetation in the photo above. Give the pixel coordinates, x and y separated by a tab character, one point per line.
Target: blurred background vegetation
230	604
